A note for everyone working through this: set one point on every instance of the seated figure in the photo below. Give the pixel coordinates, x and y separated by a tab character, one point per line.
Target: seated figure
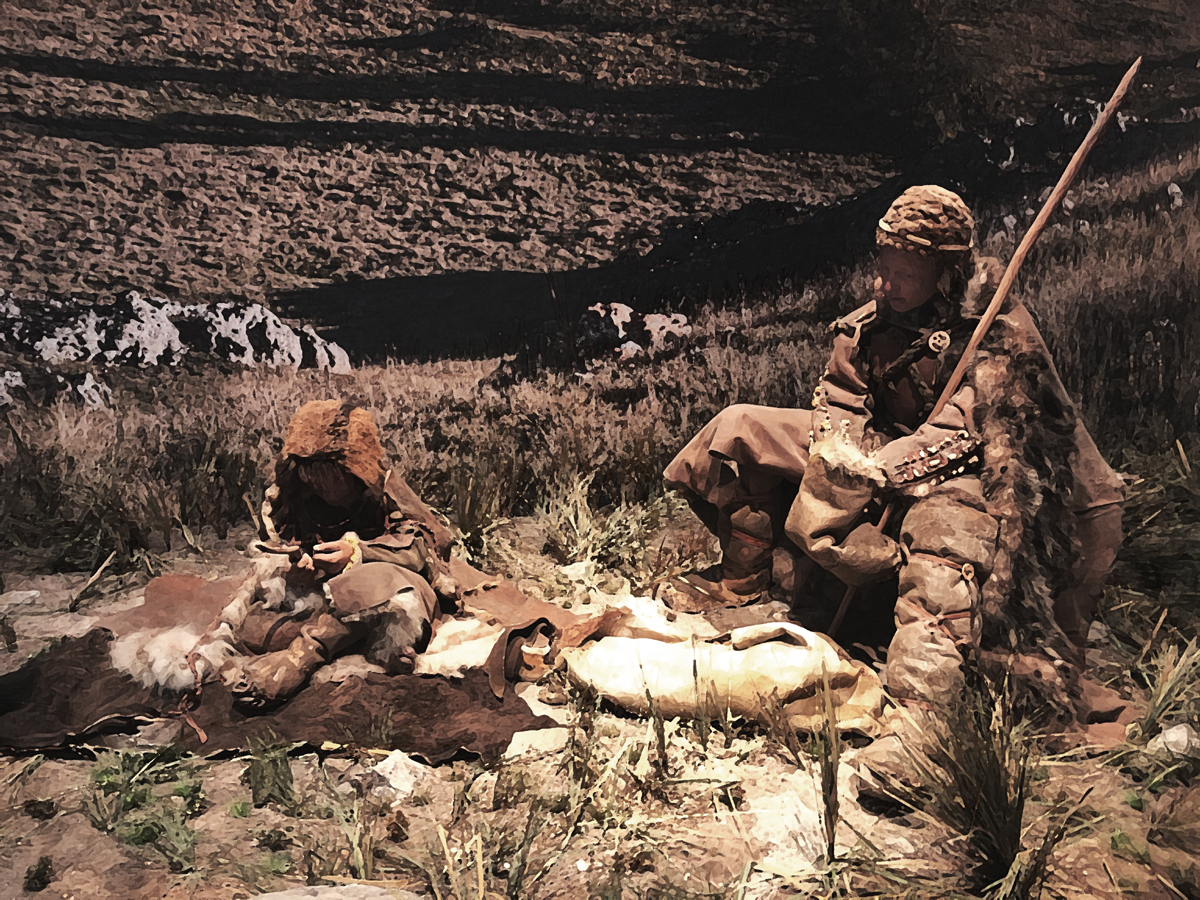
1006	519
363	560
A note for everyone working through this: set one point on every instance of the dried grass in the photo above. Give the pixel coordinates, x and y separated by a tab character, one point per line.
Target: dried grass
180	452
973	762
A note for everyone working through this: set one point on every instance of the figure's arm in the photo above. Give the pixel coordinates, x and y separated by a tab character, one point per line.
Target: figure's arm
840	401
945	446
826	518
410	543
410	506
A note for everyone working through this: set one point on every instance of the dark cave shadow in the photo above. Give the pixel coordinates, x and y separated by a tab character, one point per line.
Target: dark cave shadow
754	49
539	15
231	130
1107	74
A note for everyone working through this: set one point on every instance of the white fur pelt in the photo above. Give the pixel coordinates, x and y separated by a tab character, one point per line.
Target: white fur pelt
840	451
180	658
159	658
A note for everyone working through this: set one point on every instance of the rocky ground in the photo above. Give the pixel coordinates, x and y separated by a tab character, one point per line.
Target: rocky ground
216	151
201	154
608	805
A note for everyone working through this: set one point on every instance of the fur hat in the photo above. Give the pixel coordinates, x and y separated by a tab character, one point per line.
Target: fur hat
928	220
341	432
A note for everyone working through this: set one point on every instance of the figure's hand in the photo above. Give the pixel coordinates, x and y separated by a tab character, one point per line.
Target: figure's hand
865	556
339	555
830	502
305	562
334	554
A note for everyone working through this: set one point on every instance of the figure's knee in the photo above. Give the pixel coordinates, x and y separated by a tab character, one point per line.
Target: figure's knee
696	468
738	417
954	527
949	544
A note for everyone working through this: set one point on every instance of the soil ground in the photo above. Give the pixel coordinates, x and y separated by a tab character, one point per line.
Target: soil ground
602	806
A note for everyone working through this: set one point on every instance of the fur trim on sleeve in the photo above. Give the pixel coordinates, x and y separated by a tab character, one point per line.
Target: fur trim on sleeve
840	452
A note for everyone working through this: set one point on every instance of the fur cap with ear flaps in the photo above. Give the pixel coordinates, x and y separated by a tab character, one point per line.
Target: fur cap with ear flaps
342	432
335	432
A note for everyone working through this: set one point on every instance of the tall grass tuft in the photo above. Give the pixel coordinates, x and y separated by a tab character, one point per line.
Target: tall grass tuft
973	760
830	758
1173	682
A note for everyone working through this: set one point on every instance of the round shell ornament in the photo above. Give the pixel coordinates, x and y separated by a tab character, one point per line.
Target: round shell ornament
939	341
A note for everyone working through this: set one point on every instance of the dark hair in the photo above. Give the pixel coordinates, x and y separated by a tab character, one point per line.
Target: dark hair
961	269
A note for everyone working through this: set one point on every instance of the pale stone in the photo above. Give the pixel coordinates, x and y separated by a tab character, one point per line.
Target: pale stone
542	740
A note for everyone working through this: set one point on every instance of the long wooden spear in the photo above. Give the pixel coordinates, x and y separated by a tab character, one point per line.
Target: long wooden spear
1010	275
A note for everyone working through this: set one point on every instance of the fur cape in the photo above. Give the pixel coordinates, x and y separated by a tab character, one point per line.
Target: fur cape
1039	470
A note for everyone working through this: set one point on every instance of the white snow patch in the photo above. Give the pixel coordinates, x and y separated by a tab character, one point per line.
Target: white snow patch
152	333
151	337
660	326
73	343
95	394
9	380
621	314
630	350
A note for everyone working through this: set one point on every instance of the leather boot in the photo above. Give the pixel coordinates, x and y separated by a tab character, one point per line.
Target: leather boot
747	537
272	678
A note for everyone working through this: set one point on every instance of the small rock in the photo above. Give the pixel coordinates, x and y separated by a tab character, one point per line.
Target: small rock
18	600
1178	740
542	740
402	773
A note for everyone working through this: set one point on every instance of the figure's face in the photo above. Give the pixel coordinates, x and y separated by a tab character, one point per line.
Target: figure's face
904	280
331	483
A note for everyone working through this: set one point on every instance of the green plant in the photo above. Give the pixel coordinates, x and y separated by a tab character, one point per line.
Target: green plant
192	794
1159	565
269	774
277	864
1126	846
125	780
145	799
356	825
39	875
515	878
779	729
